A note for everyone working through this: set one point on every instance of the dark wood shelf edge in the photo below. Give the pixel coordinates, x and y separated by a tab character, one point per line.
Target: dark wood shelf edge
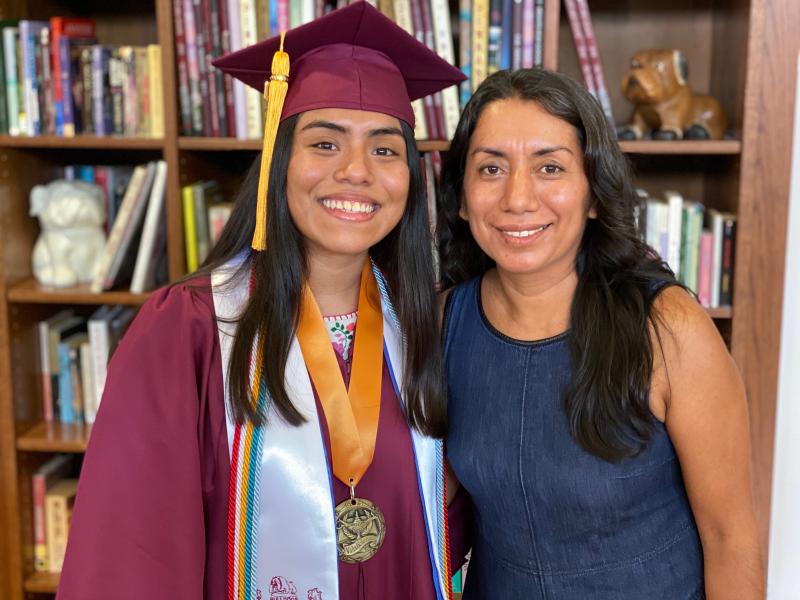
54	437
85	142
42	583
30	292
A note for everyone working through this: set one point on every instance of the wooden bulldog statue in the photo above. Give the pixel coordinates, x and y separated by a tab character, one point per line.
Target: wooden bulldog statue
665	106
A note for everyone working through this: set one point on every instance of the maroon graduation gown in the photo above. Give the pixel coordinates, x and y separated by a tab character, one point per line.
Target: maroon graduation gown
150	518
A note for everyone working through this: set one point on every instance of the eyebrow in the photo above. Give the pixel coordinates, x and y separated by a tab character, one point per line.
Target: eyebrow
500	154
319	123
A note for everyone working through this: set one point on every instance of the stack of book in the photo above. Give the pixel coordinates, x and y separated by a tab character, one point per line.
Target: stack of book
73	354
490	35
56	79
205	214
697	244
53	488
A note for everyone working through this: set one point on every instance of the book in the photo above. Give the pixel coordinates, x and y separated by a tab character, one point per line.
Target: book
70	395
675	220
87	379
46	367
728	255
100	342
581	47
704	270
218	215
480	42
59	501
402	13
189	228
444	47
115	238
11	81
29	32
55	468
182	68
594	61
62	30
121	269
156	90
153	240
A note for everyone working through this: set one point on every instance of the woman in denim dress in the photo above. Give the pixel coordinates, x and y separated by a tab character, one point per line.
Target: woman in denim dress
596	417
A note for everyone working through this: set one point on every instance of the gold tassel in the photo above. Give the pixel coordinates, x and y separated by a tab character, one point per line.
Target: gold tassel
274	94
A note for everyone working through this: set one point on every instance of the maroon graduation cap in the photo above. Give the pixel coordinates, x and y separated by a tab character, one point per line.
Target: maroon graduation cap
354	57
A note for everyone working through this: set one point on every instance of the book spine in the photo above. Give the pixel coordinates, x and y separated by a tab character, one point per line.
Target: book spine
430	41
516	35
580	45
728	249
239	88
115	82
142	91
716	259
529	32
156	91
100	345
97	91
56	515
283	15
216	74
495	40
38	492
205	32
56	28
538	35
704	275
594	61
465	49
189	230
183	69
427	101
480	42
66	118
77	385
66	413
21	91
3	101
507	34
444	48
45	370
252	97
10	37
87	383
88	101
227	82
193	63
402	13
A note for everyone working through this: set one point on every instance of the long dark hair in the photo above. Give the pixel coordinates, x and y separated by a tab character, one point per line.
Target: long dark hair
279	274
607	401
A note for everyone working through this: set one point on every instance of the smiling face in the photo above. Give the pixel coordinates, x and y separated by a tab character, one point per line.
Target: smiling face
526	196
348	179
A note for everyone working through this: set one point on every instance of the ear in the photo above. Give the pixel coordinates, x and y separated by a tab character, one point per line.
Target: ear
462	210
681	67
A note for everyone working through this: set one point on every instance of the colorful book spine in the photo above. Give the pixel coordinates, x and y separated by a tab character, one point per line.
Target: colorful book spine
66	414
29	32
594	61
529	32
45	476
58	511
480	42
10	43
444	48
193	63
402	14
252	97
516	35
704	273
581	47
538	36
189	228
156	91
184	95
205	41
465	49
214	49
495	36
728	251
227	82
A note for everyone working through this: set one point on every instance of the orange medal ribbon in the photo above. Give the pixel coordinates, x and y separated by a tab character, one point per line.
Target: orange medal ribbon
352	414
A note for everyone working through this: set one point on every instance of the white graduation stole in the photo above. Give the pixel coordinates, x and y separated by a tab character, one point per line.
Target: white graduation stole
281	520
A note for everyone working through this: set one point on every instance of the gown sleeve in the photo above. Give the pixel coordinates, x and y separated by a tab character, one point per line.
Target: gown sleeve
139	528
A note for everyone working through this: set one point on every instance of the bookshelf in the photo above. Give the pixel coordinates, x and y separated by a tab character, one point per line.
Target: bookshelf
741	51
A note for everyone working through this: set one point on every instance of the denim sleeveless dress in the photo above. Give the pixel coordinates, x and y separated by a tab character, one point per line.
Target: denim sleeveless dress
551	520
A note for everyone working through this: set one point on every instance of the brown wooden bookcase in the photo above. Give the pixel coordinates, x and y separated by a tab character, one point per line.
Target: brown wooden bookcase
741	51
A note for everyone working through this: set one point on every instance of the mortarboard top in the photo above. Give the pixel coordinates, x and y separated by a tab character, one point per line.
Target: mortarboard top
354	57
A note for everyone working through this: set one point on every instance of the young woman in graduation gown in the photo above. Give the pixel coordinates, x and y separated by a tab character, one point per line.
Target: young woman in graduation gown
270	426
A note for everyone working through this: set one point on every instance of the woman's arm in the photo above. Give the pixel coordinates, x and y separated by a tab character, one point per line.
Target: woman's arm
700	393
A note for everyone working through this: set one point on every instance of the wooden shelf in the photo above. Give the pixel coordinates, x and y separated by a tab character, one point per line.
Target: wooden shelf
232	144
54	437
42	583
30	292
682	147
86	142
722	312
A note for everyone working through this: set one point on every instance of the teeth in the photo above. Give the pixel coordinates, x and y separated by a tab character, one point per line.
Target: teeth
349	206
526	233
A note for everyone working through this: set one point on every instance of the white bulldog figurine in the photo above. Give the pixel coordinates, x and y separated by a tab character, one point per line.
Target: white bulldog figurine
71	216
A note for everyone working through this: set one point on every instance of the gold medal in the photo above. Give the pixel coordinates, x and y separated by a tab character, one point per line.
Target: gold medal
360	529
